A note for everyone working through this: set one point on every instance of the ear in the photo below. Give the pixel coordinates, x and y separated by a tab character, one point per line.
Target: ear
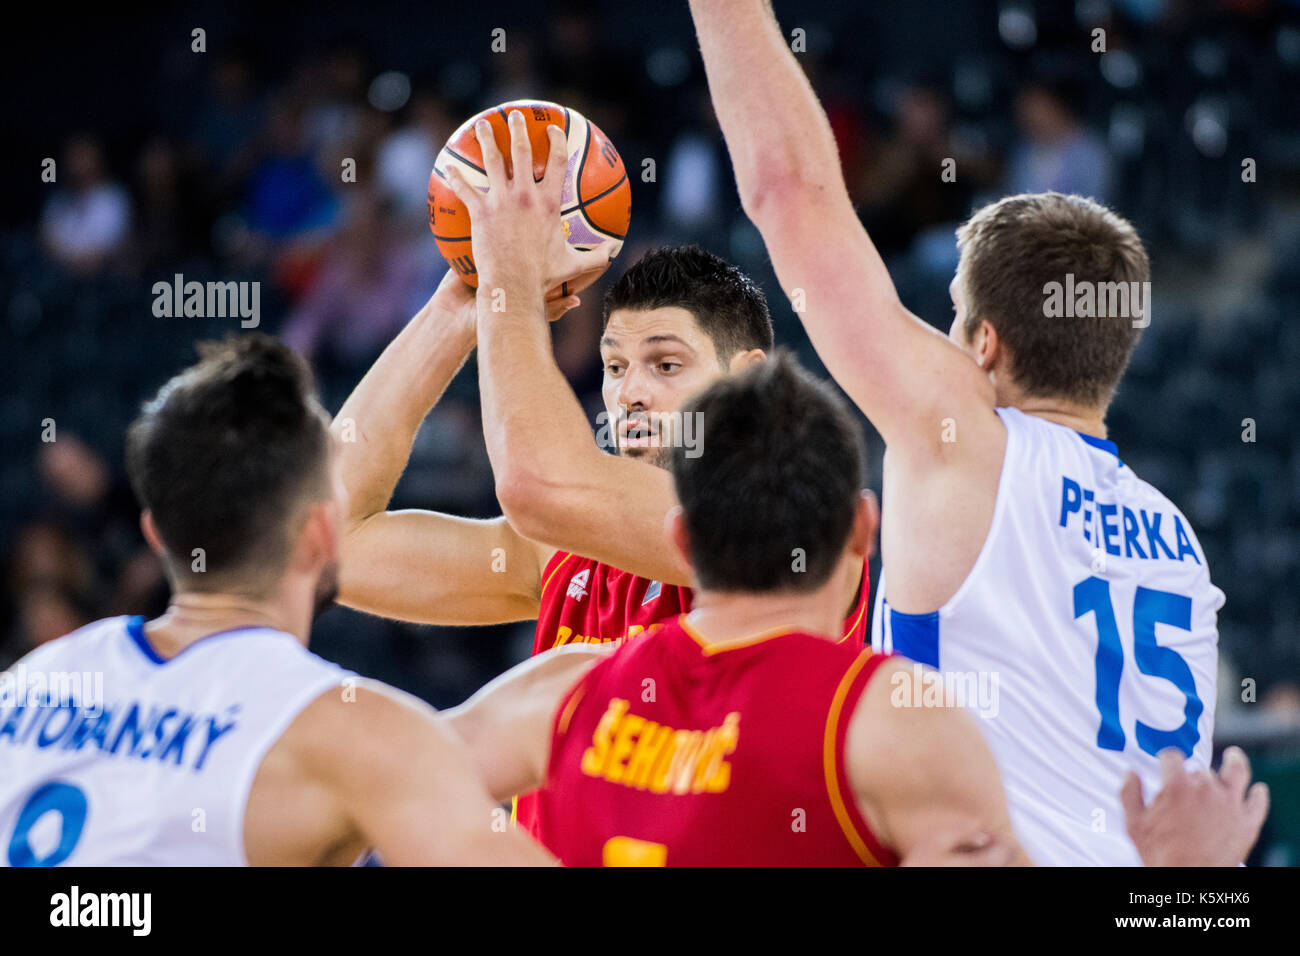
675	525
988	347
318	542
150	532
866	522
743	360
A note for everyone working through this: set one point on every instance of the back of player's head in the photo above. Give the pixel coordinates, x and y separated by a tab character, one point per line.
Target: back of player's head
1011	253
770	499
225	456
728	306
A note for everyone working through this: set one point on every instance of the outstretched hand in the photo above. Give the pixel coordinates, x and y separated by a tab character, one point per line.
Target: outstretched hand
1200	818
518	238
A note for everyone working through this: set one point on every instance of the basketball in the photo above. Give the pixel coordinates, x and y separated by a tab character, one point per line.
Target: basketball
596	201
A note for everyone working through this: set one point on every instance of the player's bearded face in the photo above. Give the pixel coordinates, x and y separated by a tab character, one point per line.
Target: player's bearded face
654	359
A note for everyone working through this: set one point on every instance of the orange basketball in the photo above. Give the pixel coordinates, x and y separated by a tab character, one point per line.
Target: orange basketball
595	203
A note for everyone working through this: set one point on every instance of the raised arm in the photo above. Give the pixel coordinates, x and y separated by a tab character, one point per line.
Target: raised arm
905	376
422	565
395	775
507	724
554	484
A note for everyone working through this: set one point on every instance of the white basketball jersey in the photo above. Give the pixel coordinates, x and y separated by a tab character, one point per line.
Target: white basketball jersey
111	755
1087	631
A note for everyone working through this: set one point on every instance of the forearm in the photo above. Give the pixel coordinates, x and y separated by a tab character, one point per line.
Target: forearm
535	430
786	162
506	725
787	167
553	482
439	569
776	131
378	423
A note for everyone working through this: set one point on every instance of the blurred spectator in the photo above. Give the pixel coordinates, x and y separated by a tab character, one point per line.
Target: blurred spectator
514	71
1055	151
168	222
81	492
1283	701
47	610
46	550
337	97
86	223
692	178
404	158
286	196
902	187
361	297
290	211
227	120
583	71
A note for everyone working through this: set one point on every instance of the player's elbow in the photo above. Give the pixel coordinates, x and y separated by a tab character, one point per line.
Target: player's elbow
776	194
528	501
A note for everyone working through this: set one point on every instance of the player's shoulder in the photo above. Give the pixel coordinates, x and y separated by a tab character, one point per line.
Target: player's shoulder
79	644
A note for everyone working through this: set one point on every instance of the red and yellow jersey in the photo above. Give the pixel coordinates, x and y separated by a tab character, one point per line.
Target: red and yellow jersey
672	752
585	601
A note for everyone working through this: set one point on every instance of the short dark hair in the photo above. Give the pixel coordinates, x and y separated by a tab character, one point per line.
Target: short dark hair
1011	250
728	305
778	474
224	455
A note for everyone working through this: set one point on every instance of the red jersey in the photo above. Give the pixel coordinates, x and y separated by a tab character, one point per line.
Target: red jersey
584	601
672	752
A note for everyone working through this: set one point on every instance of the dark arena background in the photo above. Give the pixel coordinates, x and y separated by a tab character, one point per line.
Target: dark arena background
224	164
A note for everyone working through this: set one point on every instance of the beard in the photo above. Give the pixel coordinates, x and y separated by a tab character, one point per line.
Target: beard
659	451
327	589
660	457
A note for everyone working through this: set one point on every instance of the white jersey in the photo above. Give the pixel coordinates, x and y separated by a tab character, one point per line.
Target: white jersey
1084	639
111	755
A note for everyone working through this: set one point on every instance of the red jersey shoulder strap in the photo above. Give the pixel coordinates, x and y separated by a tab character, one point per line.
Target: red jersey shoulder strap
838	788
854	623
558	559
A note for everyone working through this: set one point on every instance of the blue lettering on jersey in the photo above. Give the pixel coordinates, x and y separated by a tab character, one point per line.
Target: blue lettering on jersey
182	738
1121	531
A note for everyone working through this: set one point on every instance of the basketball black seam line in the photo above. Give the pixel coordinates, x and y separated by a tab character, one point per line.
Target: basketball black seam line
595	198
464	160
596	228
582	164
